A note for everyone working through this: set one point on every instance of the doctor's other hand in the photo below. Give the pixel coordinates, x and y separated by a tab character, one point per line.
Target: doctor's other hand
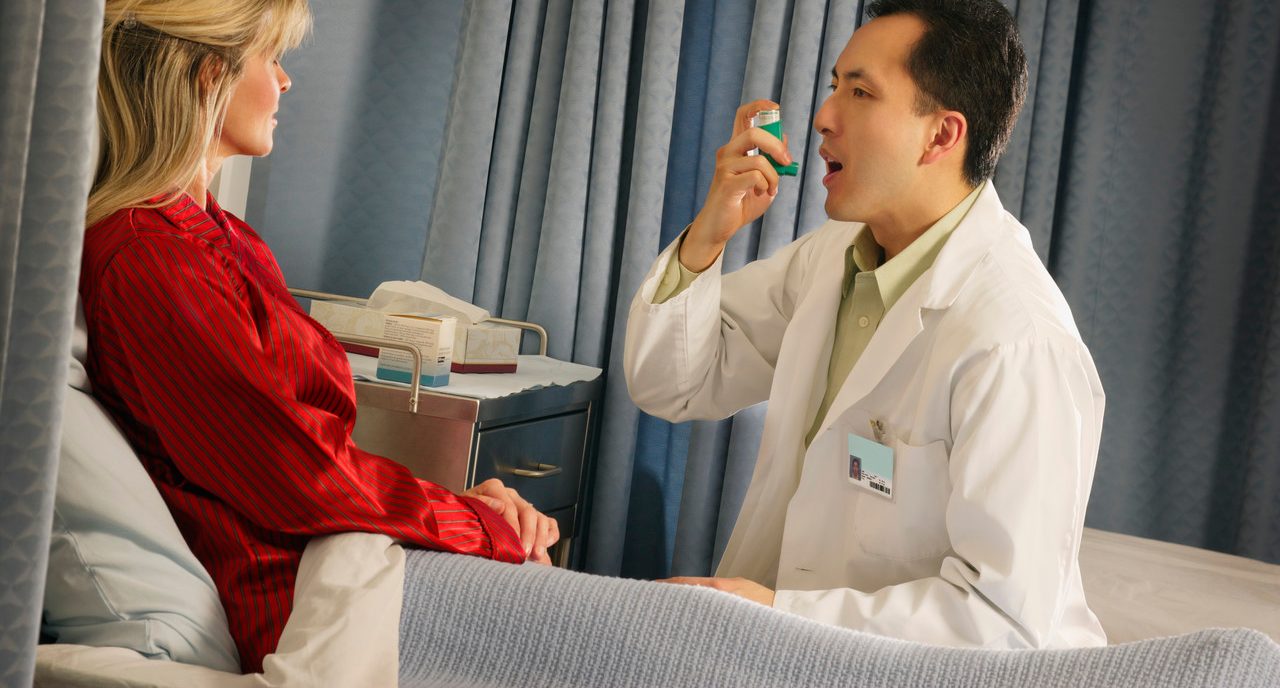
537	531
742	189
746	589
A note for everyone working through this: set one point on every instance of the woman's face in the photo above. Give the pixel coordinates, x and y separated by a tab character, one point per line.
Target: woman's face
250	121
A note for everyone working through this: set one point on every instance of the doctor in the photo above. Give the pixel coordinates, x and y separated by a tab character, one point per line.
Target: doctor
934	415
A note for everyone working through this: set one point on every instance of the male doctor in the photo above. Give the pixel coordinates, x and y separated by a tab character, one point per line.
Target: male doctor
933	415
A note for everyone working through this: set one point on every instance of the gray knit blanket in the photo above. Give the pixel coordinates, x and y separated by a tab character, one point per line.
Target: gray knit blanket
472	622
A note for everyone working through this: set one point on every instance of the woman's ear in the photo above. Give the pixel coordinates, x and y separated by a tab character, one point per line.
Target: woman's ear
212	68
949	131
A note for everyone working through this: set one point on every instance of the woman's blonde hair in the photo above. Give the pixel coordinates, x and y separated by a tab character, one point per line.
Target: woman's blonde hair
167	71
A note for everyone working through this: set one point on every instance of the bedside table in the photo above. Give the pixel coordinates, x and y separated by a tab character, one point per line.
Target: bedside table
539	441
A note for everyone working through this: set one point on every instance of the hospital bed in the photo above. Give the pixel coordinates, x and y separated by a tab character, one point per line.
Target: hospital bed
1150	596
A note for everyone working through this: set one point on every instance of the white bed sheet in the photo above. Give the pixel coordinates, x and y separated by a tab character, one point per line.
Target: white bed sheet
1142	588
344	631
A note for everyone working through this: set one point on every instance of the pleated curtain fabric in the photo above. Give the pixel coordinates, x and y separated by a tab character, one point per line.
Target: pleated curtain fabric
48	73
1166	242
555	172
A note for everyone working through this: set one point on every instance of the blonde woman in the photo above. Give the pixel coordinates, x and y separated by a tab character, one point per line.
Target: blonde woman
239	405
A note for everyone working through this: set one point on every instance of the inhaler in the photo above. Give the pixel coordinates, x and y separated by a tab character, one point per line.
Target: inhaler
771	121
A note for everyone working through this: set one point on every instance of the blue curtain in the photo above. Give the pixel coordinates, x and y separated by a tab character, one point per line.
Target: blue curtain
48	75
343	199
1165	241
568	142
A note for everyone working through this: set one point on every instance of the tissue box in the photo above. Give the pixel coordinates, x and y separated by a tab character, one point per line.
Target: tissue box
343	319
485	348
434	339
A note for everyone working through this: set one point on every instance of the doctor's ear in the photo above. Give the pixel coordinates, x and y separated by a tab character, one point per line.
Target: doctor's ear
947	134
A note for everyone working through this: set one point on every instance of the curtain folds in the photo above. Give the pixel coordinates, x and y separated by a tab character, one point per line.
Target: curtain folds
48	74
1165	244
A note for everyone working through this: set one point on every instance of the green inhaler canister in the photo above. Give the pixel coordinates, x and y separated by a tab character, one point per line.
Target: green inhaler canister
771	121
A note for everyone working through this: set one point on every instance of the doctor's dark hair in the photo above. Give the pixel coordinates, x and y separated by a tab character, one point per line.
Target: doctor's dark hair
969	60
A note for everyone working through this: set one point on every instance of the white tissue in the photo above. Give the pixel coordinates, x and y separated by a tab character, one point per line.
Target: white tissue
420	298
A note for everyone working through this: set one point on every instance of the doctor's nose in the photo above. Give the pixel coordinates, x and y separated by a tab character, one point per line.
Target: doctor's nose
822	120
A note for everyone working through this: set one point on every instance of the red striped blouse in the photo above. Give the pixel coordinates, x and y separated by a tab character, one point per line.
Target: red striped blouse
241	408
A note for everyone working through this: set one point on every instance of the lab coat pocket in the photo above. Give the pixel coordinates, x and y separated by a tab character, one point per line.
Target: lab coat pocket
911	526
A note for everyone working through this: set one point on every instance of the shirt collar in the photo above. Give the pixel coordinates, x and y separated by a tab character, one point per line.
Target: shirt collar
900	272
186	215
863	255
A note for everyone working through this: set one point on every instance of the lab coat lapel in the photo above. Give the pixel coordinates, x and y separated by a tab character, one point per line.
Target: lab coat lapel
800	385
936	289
900	326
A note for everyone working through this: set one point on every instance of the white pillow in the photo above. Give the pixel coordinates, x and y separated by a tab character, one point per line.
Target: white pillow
120	572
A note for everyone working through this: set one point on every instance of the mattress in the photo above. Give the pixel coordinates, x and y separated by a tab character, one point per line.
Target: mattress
1142	588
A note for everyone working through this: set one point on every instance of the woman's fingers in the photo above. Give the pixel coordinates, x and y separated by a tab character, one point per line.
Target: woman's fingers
537	531
528	522
495	495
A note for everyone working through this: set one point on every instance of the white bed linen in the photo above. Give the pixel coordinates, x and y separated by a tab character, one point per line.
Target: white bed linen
1142	588
344	631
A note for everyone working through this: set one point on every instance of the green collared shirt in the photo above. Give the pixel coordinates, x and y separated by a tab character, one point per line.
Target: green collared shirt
871	287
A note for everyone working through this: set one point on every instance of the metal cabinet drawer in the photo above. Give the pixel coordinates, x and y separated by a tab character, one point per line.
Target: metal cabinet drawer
542	459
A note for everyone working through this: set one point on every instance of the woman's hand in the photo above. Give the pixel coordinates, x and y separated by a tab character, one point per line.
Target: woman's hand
537	531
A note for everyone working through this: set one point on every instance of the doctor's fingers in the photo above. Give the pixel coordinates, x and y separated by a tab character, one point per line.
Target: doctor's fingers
702	582
738	175
742	118
742	144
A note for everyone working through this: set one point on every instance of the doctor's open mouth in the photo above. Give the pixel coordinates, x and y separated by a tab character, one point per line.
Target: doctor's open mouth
833	166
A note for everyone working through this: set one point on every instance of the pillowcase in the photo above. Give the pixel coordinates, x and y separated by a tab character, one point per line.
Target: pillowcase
120	572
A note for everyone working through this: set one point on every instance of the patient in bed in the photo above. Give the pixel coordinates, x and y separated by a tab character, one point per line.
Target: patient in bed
238	404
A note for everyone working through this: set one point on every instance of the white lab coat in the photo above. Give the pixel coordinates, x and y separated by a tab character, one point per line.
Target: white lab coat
987	396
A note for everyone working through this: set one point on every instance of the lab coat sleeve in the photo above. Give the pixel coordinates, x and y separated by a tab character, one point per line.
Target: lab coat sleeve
710	350
1025	419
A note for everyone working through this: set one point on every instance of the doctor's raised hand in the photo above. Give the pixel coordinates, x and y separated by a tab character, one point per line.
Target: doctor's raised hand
742	189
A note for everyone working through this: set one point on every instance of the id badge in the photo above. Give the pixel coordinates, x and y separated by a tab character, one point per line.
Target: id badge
871	466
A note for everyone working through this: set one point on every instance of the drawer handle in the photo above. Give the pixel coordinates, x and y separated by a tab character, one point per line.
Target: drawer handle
540	470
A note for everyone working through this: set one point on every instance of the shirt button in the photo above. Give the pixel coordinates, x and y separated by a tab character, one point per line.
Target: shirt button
864	321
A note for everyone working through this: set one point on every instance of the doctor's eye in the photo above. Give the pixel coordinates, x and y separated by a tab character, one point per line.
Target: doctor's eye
831	87
859	93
